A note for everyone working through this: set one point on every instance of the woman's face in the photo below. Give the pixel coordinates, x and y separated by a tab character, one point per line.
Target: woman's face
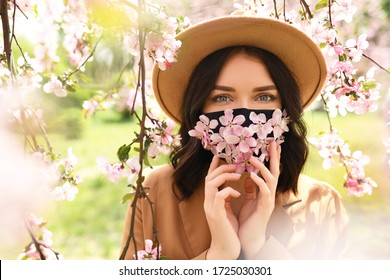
244	82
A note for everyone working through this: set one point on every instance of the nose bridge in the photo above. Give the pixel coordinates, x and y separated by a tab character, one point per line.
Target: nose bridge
244	101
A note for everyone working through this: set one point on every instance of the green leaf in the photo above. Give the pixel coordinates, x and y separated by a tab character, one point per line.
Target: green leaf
320	5
343	57
84	78
123	152
127	197
369	85
146	159
323	45
35	10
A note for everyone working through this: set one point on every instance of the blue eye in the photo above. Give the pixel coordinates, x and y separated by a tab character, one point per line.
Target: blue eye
265	97
221	98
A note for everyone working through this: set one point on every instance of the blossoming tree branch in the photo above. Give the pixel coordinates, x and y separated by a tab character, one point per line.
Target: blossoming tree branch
148	34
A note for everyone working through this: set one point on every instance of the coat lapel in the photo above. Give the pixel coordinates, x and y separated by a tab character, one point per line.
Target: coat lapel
195	223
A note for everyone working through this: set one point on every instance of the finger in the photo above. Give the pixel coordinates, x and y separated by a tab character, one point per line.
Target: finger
250	189
263	187
226	168
223	195
215	183
265	173
274	159
213	164
228	205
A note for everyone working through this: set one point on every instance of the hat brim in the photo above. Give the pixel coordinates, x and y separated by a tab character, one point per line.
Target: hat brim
300	54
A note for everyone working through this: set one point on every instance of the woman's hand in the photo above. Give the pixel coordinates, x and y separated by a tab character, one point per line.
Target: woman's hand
257	207
222	222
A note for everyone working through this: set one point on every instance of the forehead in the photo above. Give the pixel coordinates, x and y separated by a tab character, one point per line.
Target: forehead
244	68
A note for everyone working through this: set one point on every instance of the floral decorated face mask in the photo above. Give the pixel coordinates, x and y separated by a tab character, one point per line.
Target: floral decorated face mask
236	135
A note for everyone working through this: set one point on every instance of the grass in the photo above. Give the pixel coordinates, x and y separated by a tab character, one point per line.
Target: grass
90	227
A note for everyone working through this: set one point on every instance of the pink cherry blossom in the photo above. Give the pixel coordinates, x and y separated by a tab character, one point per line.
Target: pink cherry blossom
55	86
338	49
243	164
260	125
246	140
223	140
70	161
161	45
203	129
279	123
162	138
112	171
230	121
341	66
134	167
336	105
44	237
328	147
359	186
64	192
90	106
344	10
355	48
149	253
262	148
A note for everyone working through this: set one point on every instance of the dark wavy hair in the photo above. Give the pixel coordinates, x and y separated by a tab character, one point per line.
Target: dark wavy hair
191	161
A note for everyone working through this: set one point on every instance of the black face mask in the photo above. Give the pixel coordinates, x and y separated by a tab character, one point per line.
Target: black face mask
236	135
241	111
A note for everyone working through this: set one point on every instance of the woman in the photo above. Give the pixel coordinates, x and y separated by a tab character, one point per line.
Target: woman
203	208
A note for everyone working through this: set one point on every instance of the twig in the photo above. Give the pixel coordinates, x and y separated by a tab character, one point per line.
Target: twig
276	10
84	62
139	188
376	63
330	13
34	240
306	8
327	112
122	71
20	10
19	47
43	132
6	32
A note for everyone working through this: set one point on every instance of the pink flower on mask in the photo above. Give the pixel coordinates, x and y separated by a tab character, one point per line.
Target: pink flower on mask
243	164
230	121
279	123
235	139
203	129
246	140
260	124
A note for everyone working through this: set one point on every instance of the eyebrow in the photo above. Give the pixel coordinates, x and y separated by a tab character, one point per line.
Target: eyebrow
230	89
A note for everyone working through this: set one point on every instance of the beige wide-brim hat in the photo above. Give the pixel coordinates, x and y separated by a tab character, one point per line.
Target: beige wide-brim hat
301	55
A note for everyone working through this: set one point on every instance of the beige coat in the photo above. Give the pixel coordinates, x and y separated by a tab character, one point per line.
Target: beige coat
311	225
